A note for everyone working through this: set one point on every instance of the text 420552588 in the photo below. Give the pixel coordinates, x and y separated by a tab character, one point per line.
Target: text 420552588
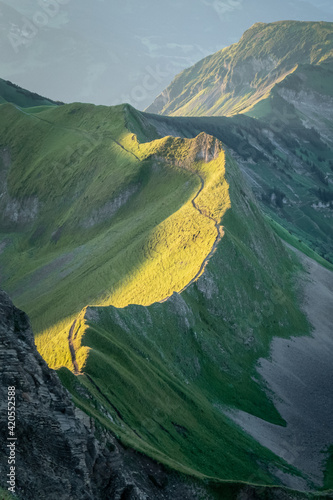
11	481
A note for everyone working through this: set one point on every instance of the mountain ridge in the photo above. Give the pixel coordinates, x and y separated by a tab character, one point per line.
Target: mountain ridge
223	84
54	274
156	351
294	107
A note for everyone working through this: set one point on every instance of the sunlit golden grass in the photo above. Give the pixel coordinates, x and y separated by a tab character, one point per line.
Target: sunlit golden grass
156	245
172	256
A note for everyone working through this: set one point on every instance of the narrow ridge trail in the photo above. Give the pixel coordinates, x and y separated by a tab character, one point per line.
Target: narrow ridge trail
83	132
72	349
195	206
204	263
218	238
195	278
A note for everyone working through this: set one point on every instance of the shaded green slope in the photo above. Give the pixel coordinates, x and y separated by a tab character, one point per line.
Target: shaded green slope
303	94
9	92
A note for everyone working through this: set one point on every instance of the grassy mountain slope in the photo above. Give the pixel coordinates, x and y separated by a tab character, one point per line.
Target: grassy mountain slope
96	214
237	77
280	75
9	92
95	217
104	215
161	375
300	109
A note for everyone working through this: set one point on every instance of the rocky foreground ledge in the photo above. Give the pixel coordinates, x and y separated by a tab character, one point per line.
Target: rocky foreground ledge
53	447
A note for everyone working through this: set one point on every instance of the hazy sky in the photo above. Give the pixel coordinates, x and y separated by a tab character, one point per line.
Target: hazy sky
112	51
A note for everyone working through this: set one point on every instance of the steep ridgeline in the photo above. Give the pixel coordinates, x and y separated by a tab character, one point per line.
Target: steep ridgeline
162	376
288	165
237	77
134	222
280	75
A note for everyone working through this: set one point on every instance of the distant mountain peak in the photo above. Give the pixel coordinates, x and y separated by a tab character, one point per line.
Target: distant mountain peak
234	79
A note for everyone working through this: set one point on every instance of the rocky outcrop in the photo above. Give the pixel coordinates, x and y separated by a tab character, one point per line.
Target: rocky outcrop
53	447
14	211
110	208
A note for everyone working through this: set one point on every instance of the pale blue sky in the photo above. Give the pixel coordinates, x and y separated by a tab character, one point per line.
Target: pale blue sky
107	52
